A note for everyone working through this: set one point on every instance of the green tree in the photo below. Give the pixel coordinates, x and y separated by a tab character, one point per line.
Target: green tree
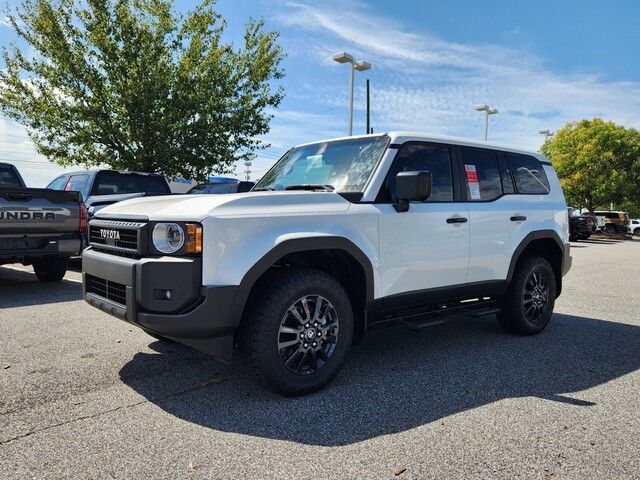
597	162
134	85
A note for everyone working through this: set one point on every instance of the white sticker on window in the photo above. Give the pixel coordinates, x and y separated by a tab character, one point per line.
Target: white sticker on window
472	181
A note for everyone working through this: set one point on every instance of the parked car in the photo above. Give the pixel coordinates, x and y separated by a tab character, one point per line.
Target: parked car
581	225
221	187
338	238
634	226
39	227
615	222
100	188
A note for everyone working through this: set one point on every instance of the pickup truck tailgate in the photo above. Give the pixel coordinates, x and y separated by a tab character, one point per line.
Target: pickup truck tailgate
32	211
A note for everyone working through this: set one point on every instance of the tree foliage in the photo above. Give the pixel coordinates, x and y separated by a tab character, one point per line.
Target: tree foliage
134	85
598	163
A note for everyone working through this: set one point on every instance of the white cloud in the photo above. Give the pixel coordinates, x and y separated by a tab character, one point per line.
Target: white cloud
429	83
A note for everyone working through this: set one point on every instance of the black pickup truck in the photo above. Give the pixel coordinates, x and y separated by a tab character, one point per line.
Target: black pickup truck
39	227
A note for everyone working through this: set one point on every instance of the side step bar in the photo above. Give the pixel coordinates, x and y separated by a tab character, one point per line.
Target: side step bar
418	320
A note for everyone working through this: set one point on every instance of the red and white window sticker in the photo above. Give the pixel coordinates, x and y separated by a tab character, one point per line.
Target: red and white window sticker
472	181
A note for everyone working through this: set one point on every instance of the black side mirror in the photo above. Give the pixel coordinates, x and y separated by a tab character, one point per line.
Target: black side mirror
412	187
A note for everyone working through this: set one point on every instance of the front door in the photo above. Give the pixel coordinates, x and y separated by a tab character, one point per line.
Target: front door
426	247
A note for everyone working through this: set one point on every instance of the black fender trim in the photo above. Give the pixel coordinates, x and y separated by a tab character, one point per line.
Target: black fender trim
538	235
296	245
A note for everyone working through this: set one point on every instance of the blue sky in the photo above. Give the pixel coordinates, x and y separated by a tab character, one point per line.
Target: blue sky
540	63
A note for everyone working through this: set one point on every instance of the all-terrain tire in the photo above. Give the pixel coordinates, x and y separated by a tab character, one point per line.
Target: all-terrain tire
270	303
516	305
50	269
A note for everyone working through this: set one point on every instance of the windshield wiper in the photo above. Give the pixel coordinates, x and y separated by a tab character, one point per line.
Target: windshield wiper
263	189
312	187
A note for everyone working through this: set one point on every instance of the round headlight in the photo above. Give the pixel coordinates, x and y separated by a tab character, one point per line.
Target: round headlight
168	237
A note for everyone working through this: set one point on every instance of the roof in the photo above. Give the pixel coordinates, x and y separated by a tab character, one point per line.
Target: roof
407	136
92	171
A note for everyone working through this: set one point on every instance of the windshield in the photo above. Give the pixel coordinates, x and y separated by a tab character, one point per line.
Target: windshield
111	183
341	165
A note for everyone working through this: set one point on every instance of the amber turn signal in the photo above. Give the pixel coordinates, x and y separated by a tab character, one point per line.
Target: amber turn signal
193	242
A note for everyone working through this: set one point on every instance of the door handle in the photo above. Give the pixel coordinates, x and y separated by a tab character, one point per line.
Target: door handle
456	220
518	218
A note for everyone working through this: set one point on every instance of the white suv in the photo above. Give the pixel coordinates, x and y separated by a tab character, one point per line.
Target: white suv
338	238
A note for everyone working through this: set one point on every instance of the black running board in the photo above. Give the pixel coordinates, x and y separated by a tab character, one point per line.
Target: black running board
429	317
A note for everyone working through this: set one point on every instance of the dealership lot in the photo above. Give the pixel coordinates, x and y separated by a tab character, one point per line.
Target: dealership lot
87	396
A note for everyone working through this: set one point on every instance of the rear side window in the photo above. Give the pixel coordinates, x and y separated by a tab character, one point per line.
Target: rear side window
483	179
422	157
76	183
9	178
112	183
529	174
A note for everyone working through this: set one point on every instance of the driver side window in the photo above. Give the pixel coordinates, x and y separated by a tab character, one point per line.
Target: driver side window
421	157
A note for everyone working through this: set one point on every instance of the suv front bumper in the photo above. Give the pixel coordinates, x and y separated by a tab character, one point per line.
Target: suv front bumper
134	290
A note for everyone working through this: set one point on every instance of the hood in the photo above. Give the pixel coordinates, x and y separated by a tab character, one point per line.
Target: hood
198	207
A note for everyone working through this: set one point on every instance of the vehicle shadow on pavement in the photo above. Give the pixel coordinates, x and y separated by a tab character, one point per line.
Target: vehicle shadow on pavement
397	379
22	289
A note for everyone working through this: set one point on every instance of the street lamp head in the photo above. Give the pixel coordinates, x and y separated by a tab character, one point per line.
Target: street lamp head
482	107
361	66
342	57
546	132
492	111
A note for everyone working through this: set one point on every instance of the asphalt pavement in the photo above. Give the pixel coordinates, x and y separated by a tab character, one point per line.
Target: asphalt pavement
84	395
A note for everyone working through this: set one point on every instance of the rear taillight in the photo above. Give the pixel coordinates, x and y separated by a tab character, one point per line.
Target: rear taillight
84	218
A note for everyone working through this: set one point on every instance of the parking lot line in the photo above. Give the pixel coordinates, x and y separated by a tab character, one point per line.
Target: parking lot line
30	270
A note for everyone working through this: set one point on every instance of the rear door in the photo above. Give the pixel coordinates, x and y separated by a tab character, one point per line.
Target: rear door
545	209
496	213
428	246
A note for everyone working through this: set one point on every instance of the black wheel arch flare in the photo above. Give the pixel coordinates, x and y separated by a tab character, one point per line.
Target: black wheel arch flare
528	241
299	245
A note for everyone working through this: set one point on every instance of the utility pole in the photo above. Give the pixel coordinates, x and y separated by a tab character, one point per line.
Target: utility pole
487	111
368	109
547	134
247	171
360	66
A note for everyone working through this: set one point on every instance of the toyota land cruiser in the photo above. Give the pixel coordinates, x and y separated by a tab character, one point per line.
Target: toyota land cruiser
338	238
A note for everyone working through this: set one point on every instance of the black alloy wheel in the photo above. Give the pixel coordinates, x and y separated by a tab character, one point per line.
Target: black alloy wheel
308	334
535	296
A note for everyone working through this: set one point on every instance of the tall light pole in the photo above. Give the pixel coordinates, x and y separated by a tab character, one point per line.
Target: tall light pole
487	111
360	66
547	134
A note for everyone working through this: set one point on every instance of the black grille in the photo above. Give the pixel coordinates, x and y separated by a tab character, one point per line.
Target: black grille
118	237
116	292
